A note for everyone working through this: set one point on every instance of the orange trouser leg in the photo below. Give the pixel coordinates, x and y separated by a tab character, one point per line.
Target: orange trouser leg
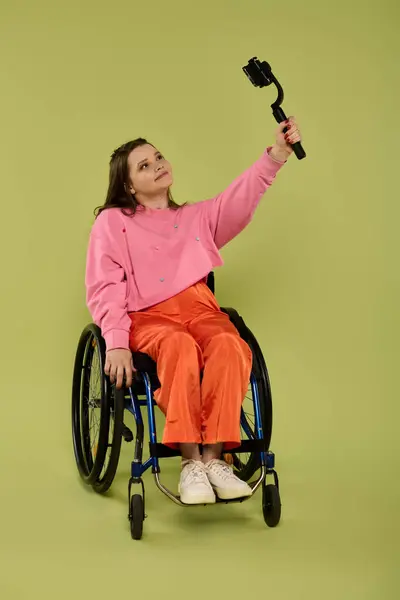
179	362
185	335
227	368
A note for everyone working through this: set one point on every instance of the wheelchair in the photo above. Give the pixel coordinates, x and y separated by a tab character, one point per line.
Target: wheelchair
98	426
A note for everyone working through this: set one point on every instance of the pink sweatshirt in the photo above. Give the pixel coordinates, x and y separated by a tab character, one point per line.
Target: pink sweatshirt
138	261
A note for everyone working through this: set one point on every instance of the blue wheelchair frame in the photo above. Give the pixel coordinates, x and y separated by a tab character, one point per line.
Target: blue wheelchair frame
255	442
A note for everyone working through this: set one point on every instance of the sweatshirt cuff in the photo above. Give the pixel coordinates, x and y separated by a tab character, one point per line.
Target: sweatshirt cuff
272	162
117	338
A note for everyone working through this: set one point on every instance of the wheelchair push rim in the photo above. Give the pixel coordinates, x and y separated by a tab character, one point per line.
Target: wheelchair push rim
97	413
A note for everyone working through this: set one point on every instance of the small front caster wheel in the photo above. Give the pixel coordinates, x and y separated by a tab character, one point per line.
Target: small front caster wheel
136	516
271	503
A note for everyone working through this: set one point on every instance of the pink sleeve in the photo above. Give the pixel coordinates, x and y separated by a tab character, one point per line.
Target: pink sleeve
106	292
232	210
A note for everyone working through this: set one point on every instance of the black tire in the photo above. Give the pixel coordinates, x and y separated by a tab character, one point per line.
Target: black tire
271	504
96	459
137	517
106	477
246	465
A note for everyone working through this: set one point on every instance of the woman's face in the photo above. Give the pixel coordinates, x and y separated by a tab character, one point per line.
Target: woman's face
149	173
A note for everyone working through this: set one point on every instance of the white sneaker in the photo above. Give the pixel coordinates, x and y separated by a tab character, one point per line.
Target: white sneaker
225	483
194	487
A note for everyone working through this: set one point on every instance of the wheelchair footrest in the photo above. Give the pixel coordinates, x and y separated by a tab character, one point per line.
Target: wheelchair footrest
161	451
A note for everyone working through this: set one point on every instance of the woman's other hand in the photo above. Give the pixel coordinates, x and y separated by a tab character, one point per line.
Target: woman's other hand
119	365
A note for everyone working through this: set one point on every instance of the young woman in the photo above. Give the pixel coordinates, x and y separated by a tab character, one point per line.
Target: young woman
147	265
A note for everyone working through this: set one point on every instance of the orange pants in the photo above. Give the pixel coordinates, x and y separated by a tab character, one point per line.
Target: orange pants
186	335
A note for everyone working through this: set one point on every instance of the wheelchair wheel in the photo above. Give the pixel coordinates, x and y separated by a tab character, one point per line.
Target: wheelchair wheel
271	503
110	465
136	516
245	465
97	413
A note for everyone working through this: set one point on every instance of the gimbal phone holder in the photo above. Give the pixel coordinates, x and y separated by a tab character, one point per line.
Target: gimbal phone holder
260	75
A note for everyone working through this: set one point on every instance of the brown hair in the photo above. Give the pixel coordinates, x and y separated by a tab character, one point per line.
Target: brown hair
118	194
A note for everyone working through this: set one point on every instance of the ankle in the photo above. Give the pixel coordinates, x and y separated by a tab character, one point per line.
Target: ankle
190	452
212	452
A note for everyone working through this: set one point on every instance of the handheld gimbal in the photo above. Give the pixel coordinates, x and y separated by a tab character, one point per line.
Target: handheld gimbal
260	75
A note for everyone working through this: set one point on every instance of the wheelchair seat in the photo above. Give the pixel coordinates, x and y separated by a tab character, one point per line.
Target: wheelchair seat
143	363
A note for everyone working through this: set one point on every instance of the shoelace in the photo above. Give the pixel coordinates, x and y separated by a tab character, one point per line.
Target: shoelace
222	470
195	473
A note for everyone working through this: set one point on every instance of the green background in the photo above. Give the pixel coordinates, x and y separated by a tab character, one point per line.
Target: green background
315	277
